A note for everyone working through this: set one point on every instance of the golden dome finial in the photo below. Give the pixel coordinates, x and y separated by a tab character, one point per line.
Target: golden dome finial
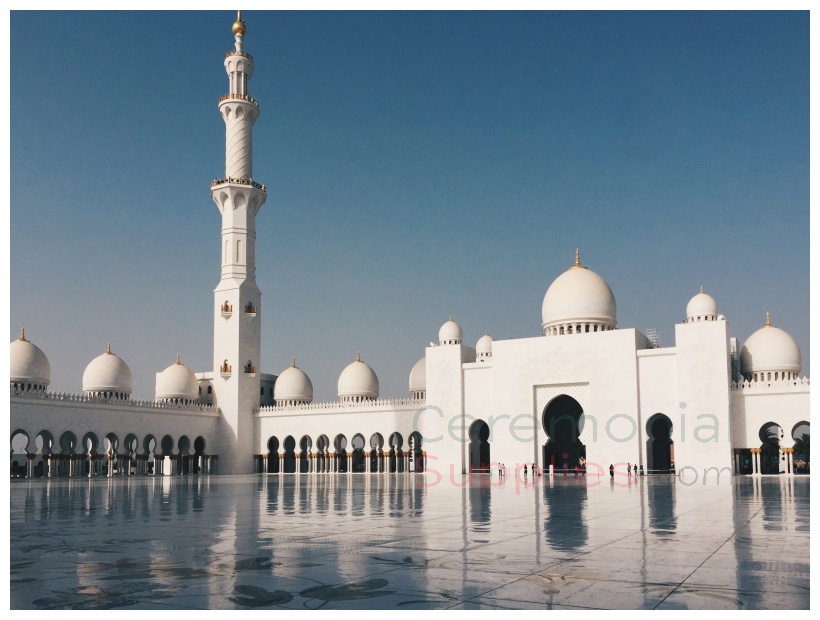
358	357
768	319
701	289
178	362
293	362
108	350
23	334
239	25
486	333
577	257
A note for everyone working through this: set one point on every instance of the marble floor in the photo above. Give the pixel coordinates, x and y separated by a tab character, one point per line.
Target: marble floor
396	541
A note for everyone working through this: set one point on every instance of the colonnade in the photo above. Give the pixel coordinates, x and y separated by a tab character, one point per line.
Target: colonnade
787	452
115	465
317	462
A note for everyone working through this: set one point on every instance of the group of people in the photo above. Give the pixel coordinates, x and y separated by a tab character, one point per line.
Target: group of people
631	470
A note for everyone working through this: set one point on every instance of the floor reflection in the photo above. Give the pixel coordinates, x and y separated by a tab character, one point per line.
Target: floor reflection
392	542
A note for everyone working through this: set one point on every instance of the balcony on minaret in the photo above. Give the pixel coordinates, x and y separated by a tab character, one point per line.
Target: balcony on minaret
226	309
250	310
234	181
249	369
239	53
225	369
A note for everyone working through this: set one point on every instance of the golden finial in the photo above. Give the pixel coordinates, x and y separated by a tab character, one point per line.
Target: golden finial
23	334
293	362
701	289
358	357
239	25
486	333
178	362
577	257
108	351
451	318
768	319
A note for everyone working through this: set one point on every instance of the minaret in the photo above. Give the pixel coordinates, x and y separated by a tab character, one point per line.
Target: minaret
237	300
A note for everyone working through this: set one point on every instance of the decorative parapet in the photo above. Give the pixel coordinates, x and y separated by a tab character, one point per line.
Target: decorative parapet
367	405
779	385
247	98
95	399
238	53
234	181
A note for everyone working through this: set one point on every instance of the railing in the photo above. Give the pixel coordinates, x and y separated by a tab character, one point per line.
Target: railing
225	369
226	308
238	53
367	404
250	309
247	98
104	400
791	385
251	182
249	370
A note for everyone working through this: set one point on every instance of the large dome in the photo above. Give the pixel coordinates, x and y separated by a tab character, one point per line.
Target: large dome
770	349
578	296
177	382
107	373
358	381
701	307
450	332
418	376
293	384
28	364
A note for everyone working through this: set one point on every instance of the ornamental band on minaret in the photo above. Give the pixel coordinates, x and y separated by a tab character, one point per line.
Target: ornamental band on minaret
237	300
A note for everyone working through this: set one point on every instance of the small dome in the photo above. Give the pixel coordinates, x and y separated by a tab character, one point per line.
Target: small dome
578	295
418	376
28	364
107	373
450	332
484	346
293	384
358	380
770	349
702	307
177	381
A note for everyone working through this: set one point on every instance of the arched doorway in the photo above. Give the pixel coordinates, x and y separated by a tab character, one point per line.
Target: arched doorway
376	452
68	448
660	449
149	451
305	444
44	448
416	458
357	460
322	445
199	453
396	454
479	447
273	455
563	422
340	446
801	437
91	460
290	455
19	451
772	460
184	457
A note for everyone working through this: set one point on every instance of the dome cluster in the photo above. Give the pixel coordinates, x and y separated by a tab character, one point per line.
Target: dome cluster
578	301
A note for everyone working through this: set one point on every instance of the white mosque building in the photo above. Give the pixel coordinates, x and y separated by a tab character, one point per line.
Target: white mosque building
581	396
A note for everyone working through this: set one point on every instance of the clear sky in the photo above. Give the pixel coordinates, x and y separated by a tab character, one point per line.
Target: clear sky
417	164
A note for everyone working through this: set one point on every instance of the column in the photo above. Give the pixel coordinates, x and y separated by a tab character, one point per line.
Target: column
349	459
790	461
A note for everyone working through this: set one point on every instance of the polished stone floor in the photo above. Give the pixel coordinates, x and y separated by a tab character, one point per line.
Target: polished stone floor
394	542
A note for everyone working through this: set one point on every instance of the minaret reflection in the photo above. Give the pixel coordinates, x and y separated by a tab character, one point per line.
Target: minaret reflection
480	505
565	500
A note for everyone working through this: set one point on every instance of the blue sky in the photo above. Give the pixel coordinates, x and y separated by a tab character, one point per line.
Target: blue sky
417	164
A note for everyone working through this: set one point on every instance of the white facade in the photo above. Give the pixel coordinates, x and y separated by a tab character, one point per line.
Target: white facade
583	396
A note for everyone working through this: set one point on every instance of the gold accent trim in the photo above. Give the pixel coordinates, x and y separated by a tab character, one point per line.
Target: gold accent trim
238	26
108	350
577	264
178	362
293	362
358	357
768	319
23	334
701	289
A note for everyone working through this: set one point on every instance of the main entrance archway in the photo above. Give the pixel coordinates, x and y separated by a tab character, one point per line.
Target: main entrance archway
479	447
660	453
563	422
771	459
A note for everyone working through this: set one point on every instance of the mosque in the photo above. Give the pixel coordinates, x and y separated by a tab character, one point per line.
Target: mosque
582	396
